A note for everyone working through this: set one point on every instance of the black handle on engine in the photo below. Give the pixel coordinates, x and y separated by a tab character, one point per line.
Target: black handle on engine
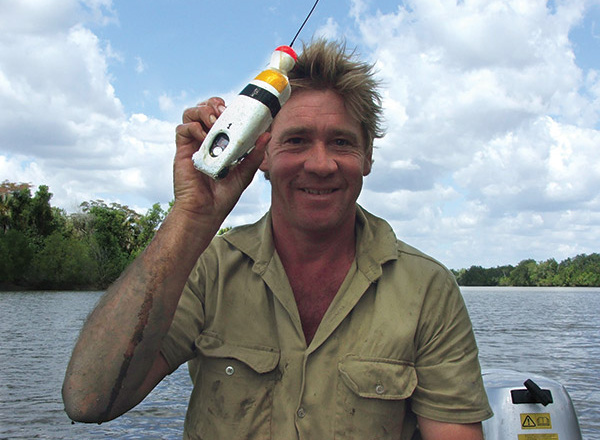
539	394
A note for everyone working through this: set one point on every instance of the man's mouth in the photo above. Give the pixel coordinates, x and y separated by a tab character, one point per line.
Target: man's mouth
319	192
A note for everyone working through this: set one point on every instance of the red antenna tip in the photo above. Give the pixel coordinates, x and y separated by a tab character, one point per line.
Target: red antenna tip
289	51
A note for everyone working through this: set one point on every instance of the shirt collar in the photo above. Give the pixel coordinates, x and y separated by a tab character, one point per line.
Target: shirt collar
376	242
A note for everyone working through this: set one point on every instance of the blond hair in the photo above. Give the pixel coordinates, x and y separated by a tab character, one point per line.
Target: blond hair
328	65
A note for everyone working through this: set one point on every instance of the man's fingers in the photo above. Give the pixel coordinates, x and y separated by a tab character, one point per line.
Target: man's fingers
191	131
205	112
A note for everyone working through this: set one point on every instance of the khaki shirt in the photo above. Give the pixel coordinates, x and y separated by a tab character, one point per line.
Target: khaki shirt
396	341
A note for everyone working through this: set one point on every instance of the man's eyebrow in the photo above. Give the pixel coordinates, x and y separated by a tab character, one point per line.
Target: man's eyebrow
336	132
290	131
349	134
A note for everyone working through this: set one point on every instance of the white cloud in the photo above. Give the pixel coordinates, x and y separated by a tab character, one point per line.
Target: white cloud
165	103
60	121
40	17
544	167
484	101
140	67
330	30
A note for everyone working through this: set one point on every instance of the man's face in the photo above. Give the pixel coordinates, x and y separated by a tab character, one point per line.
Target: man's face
316	161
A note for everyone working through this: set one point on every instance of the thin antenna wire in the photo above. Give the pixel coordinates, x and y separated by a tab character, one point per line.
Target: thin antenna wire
305	20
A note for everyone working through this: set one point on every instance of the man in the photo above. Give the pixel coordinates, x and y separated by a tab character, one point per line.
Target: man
314	323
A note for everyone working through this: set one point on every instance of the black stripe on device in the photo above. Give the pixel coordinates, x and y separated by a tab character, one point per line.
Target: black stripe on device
264	96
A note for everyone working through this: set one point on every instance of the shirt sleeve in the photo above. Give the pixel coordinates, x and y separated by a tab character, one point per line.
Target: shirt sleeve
179	343
450	387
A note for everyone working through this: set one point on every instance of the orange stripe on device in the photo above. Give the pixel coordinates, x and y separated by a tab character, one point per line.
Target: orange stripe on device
273	78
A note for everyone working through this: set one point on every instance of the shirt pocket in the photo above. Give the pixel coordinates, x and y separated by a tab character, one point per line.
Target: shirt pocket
371	397
233	390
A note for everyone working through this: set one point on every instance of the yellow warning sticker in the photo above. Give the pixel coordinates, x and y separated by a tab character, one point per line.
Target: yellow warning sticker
536	421
538	437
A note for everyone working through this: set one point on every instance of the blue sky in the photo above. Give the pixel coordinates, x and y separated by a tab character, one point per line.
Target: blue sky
183	49
492	108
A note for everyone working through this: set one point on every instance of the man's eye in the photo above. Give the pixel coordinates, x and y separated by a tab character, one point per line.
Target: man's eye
295	140
341	143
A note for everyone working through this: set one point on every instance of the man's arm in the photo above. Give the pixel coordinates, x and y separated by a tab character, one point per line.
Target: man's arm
434	430
116	361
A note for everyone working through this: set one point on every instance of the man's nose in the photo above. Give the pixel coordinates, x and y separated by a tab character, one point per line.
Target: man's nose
320	160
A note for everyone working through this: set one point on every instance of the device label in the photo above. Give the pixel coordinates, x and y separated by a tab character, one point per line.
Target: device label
536	421
538	437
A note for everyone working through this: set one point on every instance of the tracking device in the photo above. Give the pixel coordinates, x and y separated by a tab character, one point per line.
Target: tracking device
235	132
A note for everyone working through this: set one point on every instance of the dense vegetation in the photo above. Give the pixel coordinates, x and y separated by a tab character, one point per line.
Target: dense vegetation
580	271
43	247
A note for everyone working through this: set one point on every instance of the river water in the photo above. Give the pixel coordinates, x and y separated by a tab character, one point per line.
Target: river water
549	331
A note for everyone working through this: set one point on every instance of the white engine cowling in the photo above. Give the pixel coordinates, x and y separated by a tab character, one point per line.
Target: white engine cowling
528	407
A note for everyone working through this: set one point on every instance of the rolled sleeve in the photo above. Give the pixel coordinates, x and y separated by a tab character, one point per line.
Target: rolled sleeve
179	344
450	387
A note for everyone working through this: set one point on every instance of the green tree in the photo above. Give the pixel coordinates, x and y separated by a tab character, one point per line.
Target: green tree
16	255
479	276
473	276
546	273
582	270
63	263
7	191
41	216
42	246
32	215
147	225
112	237
524	273
19	208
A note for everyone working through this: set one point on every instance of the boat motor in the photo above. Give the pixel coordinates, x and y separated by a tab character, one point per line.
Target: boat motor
528	407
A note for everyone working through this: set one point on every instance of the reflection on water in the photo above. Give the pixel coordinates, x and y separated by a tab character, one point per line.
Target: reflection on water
553	332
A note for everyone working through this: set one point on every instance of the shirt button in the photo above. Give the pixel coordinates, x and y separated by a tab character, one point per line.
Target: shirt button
229	370
301	413
379	389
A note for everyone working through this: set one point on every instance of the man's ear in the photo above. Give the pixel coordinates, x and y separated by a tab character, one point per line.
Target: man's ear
367	164
263	140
